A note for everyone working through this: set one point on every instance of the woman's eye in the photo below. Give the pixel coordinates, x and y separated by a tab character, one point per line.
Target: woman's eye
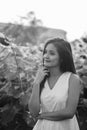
52	53
49	52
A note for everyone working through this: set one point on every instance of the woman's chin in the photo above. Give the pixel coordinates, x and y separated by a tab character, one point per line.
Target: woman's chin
47	65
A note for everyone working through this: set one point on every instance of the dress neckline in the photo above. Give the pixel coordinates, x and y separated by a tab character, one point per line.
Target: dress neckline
58	79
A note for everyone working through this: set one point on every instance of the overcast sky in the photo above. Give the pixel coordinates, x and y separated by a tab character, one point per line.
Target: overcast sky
70	15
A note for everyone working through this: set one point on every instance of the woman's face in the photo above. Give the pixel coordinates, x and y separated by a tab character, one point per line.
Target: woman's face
51	56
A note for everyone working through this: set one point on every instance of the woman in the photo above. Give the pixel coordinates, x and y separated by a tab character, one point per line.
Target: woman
56	89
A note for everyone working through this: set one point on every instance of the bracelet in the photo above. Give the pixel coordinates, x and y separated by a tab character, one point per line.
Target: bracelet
31	117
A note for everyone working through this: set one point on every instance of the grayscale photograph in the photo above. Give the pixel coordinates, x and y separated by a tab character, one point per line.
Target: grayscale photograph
43	65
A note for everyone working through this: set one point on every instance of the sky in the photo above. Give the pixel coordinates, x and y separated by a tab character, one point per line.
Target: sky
69	15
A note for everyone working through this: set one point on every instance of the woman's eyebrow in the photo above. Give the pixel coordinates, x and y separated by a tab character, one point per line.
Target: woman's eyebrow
49	49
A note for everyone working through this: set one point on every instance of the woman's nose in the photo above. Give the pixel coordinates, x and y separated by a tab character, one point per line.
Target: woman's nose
46	56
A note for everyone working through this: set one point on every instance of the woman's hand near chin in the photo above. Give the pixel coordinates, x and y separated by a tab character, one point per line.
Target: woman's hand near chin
41	73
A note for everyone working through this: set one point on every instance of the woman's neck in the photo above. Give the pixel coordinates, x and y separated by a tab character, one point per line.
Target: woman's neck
54	72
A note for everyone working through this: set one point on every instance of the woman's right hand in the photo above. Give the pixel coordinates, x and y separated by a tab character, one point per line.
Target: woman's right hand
41	73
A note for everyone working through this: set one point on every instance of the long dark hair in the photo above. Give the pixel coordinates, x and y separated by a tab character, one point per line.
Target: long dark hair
65	55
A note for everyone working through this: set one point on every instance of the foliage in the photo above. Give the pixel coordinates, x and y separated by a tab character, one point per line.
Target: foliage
18	67
31	19
80	59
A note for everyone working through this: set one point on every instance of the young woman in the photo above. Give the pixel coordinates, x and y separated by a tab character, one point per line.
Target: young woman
56	89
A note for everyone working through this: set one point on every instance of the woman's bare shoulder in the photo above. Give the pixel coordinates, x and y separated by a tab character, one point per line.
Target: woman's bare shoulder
75	79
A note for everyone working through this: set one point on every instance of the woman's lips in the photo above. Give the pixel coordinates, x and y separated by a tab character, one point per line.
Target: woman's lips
46	61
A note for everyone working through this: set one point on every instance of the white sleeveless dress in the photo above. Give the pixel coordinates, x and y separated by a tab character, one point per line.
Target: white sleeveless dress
53	100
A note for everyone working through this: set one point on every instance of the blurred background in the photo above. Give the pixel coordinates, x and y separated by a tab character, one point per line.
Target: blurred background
69	15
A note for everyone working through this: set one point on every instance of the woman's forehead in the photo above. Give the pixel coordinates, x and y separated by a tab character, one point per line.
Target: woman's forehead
50	47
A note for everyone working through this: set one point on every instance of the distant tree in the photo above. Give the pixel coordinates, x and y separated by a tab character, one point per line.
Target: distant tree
31	19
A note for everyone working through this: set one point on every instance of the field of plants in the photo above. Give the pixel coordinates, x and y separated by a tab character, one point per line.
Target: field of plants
18	66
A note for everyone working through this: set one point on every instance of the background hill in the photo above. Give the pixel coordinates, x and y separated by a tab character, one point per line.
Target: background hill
30	34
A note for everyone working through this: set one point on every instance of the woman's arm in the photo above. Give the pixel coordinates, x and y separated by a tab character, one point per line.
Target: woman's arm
71	104
34	101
